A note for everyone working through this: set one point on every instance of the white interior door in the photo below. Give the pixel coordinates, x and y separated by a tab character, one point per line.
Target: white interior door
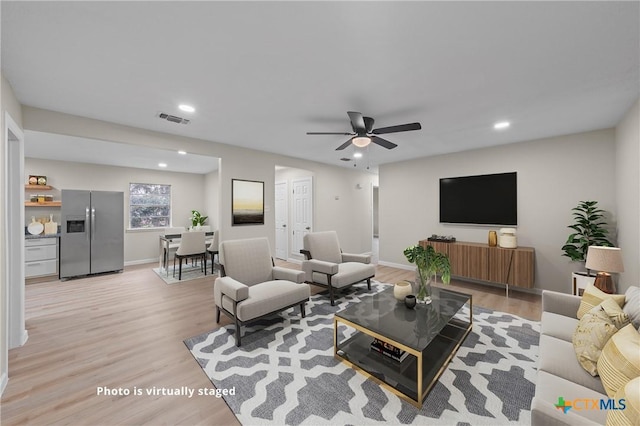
302	195
282	220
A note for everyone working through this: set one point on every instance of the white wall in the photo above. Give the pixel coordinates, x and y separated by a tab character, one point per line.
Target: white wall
351	216
187	193
627	178
8	104
554	174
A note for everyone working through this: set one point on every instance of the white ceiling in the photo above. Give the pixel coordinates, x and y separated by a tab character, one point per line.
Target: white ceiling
261	74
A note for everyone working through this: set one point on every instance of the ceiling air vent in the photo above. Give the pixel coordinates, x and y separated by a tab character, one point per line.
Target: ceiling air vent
173	118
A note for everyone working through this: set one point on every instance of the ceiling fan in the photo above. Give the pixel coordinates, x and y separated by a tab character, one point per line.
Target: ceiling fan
364	133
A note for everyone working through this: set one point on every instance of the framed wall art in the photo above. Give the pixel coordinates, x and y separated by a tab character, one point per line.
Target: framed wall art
247	202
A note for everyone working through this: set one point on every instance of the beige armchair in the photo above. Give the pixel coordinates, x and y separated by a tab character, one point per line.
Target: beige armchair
327	266
251	287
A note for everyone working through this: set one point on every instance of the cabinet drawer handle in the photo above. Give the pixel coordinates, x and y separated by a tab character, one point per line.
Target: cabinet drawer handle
34	264
34	249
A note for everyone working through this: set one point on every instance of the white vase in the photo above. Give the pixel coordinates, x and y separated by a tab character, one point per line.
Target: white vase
401	290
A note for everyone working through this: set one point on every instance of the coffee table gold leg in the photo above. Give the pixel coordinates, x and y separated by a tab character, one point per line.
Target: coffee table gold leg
335	336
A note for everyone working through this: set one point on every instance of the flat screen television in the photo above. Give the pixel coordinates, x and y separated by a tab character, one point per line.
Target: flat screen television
484	199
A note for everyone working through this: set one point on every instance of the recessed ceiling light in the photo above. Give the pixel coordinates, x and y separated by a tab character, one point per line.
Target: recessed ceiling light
186	108
181	152
162	164
357	155
501	125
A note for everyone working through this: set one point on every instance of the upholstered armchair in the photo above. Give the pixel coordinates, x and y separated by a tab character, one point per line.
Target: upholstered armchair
327	266
251	287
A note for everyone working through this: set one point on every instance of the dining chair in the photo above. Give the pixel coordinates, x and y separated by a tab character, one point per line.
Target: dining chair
213	249
167	250
192	246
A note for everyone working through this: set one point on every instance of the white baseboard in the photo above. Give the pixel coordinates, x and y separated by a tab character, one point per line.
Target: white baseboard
141	261
25	337
3	382
397	265
296	261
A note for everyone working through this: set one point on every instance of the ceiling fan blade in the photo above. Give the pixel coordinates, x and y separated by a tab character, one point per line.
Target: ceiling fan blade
330	133
396	129
383	142
344	145
368	123
357	122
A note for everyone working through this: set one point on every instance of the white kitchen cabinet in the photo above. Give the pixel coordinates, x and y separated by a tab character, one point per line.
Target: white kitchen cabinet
41	257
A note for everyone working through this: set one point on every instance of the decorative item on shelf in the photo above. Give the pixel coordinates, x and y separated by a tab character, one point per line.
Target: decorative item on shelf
35	228
508	238
606	260
401	289
34	198
197	220
41	198
50	227
442	238
493	238
388	350
410	301
428	263
37	180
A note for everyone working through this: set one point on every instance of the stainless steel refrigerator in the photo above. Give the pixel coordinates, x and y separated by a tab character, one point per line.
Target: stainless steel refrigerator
92	232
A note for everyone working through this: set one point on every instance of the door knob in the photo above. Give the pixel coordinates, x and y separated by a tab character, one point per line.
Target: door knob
284	226
308	228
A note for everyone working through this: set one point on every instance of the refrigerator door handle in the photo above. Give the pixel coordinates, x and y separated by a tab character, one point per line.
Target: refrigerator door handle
93	222
86	216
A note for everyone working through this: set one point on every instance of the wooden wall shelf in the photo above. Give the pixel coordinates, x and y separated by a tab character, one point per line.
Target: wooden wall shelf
39	187
45	204
493	264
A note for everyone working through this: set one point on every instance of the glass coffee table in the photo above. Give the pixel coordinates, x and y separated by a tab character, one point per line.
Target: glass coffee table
429	334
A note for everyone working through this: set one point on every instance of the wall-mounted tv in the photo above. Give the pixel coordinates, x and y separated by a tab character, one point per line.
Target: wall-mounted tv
484	199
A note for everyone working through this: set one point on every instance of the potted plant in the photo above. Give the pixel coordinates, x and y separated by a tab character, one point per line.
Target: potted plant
197	220
589	230
428	263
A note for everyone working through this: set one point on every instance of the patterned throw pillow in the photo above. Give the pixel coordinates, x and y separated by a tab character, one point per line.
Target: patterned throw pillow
594	330
631	413
620	360
593	296
617	315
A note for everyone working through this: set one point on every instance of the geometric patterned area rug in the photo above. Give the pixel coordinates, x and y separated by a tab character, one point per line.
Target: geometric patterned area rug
285	372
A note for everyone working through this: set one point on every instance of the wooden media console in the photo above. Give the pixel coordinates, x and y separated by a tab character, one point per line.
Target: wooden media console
481	262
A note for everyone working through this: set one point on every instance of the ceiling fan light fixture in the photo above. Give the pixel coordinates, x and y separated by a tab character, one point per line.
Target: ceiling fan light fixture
361	141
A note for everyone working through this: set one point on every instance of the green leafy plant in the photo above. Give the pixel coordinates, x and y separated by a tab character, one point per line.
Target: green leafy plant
197	219
429	263
589	231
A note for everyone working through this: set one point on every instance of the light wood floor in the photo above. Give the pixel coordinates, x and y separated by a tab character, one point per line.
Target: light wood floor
127	330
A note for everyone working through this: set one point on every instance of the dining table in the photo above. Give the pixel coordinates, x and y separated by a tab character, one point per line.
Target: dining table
165	243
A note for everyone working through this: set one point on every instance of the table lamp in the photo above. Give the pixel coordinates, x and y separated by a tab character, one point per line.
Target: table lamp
606	260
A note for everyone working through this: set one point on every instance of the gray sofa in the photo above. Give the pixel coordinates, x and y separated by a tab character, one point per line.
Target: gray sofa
559	373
